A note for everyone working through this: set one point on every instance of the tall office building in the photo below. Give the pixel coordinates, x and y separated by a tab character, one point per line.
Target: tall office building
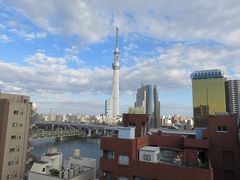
232	88
115	87
14	128
108	108
147	97
208	92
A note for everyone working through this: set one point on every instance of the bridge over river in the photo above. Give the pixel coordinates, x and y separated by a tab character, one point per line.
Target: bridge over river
58	130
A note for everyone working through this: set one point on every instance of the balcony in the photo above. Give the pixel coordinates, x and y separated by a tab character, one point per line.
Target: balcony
196	143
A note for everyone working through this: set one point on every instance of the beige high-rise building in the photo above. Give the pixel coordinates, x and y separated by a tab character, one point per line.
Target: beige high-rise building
14	128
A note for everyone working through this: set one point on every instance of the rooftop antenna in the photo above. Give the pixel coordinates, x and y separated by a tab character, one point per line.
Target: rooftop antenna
116	37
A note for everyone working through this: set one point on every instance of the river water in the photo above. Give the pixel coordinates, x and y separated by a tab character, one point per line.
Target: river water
89	147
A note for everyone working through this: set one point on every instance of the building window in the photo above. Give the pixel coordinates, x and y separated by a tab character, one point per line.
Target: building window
131	124
9	176
15	112
122	178
12	149
168	153
109	175
222	129
123	160
110	154
146	157
136	178
14	124
158	156
13	137
10	163
43	170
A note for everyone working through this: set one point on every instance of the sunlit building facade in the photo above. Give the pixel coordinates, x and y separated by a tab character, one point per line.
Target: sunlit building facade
14	128
136	110
208	92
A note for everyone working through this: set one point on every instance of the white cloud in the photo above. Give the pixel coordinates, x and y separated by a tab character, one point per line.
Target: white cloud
4	38
47	76
2	26
29	36
92	20
130	47
72	55
75	18
210	23
169	69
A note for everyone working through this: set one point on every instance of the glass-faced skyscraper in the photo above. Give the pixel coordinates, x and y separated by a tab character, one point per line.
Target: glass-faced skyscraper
208	92
147	97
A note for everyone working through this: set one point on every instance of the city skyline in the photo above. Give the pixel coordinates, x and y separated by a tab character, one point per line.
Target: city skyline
60	54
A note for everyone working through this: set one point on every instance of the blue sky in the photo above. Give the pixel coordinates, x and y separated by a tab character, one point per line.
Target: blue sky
60	52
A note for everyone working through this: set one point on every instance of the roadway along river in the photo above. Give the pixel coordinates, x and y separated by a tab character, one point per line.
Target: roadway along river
89	147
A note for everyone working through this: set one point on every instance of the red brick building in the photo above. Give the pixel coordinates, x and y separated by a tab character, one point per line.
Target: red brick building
224	150
136	154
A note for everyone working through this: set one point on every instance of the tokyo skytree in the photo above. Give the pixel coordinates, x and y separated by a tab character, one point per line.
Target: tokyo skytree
115	86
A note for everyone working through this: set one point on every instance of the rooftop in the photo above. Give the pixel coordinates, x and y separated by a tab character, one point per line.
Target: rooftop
207	74
149	148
